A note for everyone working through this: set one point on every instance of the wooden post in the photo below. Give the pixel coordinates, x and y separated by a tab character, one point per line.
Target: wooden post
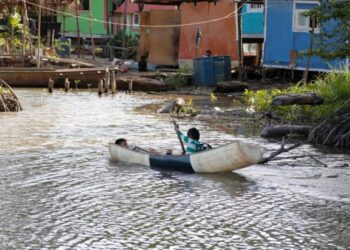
26	26
78	28
39	36
100	86
51	83
114	83
66	85
239	38
24	36
130	86
124	27
312	34
91	36
107	80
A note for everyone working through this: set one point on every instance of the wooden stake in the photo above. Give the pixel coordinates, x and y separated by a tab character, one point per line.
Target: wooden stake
114	83
130	86
107	80
51	83
312	34
100	86
66	85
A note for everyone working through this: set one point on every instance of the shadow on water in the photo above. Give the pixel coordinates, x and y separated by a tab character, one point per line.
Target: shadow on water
232	183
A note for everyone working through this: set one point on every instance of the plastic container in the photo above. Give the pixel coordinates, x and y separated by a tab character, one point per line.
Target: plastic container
203	71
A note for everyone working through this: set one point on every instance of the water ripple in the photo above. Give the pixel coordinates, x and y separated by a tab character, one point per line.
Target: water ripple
59	190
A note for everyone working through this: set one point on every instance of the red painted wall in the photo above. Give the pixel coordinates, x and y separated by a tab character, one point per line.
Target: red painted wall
219	37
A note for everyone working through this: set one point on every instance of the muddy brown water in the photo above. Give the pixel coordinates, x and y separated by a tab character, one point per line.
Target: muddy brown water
59	189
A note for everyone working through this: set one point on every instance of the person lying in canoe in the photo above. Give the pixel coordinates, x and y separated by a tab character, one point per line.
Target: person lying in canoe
124	143
192	140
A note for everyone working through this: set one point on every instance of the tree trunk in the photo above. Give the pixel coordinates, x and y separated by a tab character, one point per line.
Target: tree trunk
300	99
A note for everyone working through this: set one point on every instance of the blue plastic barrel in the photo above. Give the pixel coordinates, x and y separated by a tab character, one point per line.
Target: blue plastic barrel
219	68
203	71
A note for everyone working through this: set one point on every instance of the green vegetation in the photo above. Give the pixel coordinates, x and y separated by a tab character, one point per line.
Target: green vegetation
189	108
178	80
11	30
333	41
333	87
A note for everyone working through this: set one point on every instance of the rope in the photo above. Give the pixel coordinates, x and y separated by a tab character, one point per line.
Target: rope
230	15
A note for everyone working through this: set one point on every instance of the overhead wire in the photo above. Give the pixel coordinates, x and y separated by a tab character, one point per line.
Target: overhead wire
230	15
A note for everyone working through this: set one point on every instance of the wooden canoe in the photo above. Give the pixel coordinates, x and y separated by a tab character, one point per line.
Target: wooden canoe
33	77
227	158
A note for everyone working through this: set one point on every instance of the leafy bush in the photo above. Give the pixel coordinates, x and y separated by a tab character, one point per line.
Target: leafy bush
333	87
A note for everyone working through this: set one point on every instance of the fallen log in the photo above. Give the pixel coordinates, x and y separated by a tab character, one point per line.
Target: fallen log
291	99
280	131
142	84
231	86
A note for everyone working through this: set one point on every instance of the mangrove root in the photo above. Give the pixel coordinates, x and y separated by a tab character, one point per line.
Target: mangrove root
8	100
335	130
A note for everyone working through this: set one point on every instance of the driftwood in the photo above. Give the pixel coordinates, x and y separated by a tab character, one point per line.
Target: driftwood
335	130
291	99
167	108
231	86
172	106
280	131
142	84
281	150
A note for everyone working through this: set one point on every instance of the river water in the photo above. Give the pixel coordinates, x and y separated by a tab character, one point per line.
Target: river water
59	189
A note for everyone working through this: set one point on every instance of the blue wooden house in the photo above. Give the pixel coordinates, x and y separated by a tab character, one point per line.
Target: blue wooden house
287	33
252	32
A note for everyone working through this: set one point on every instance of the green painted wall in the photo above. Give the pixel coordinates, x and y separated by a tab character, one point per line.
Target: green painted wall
98	12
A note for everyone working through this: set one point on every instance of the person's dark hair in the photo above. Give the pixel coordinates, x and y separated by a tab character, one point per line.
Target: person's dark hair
120	141
193	133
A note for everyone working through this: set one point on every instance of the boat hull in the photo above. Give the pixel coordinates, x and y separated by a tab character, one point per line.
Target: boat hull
33	77
227	158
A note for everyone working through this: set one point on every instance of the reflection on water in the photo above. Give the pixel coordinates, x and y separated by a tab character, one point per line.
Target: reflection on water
59	188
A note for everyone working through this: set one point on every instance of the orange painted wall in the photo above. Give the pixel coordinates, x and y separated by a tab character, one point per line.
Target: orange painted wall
219	37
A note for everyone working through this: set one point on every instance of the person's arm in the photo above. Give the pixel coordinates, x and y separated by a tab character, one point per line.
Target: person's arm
183	137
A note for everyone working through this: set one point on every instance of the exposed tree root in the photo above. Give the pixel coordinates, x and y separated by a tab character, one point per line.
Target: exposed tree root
8	100
335	130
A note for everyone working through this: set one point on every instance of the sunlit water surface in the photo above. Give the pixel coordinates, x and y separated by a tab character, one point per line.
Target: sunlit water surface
59	189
